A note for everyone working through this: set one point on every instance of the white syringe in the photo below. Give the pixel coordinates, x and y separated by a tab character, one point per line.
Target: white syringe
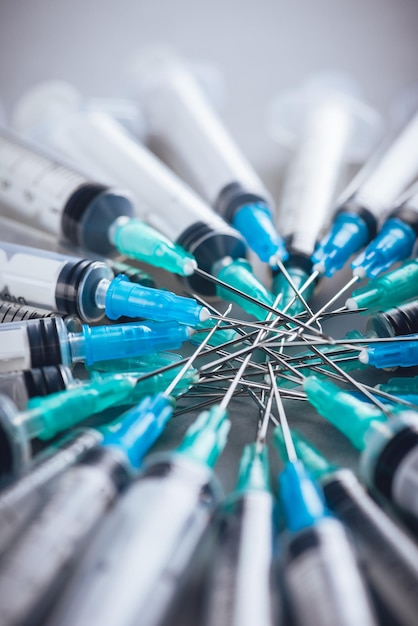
51	197
328	126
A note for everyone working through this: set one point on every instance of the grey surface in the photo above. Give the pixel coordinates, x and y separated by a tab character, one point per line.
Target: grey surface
261	47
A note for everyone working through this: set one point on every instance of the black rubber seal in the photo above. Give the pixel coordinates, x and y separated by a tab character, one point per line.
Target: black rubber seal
6	455
44	342
43	381
305	540
352	206
335	492
233	197
208	247
76	206
403	320
104	458
68	282
391	457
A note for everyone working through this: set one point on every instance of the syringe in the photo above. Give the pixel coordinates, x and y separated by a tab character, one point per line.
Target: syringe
387	291
17	232
37	343
51	197
163	516
52	114
182	120
87	288
388	463
42	381
390	557
395	240
239	589
47	416
377	188
320	573
33	569
328	126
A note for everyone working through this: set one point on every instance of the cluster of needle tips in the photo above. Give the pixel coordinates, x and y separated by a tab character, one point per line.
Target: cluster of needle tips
264	354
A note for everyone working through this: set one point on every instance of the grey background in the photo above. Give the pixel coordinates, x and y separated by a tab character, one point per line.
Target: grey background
261	47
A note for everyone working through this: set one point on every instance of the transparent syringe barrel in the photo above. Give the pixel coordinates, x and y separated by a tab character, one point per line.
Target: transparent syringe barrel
52	281
389	555
314	173
239	585
163	516
35	566
33	343
389	172
41	192
181	118
322	579
100	146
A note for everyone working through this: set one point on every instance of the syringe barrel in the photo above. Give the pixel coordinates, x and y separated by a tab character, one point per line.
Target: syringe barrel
389	463
182	120
39	191
33	343
314	173
25	496
385	176
239	586
26	384
163	516
322	579
34	567
52	281
389	555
